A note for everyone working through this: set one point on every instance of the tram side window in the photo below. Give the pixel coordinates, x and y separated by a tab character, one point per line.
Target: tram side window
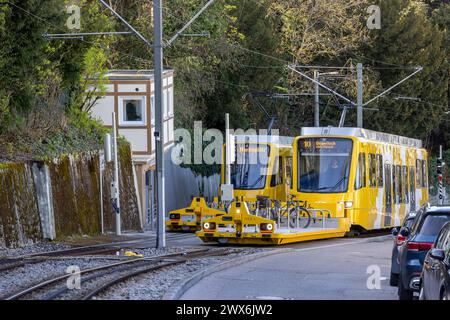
372	171
412	187
288	170
419	173
398	176
380	170
277	175
395	183
424	174
405	184
360	179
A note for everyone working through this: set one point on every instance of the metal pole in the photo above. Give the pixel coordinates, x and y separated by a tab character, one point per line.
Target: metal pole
316	100
116	185
159	130
101	165
343	115
359	69
227	153
441	190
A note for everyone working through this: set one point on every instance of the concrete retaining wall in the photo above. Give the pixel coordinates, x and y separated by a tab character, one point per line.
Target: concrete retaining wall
61	198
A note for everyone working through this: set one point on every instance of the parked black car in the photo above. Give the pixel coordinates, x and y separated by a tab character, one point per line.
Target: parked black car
398	241
420	238
435	278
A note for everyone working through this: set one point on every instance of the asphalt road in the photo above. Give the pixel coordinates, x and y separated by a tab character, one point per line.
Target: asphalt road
329	269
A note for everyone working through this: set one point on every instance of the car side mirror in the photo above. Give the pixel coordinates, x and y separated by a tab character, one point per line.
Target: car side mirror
405	232
437	254
395	231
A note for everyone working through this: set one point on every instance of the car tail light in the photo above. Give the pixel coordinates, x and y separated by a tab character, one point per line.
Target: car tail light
400	240
420	246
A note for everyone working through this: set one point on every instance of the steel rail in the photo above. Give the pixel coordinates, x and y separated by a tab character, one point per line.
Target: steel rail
127	276
56	279
131	274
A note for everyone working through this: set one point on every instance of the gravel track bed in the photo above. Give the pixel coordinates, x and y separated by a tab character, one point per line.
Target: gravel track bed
31	249
153	286
12	280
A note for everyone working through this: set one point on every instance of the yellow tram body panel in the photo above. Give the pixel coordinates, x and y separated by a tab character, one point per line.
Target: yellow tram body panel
386	175
190	218
277	163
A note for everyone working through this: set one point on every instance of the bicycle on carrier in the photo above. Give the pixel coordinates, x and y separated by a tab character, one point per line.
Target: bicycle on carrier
294	211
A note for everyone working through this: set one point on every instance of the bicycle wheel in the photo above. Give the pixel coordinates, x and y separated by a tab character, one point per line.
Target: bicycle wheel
299	218
228	205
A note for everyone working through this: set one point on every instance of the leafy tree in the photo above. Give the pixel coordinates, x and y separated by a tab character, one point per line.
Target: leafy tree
39	78
409	38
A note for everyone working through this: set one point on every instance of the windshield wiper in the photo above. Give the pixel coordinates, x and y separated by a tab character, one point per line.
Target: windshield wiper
335	186
256	182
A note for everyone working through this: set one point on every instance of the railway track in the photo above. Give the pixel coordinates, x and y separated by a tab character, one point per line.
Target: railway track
98	279
9	263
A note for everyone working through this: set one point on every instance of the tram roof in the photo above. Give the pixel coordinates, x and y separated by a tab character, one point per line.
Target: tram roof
280	140
362	133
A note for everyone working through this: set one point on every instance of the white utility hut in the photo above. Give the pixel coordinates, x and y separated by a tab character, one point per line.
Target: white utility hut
130	94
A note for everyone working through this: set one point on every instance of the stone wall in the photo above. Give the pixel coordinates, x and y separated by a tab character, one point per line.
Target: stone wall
61	198
19	214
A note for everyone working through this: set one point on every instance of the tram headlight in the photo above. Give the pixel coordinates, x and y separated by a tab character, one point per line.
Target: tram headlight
266	227
209	226
347	204
174	216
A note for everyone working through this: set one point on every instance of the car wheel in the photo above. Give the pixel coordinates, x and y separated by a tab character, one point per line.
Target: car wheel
393	280
403	293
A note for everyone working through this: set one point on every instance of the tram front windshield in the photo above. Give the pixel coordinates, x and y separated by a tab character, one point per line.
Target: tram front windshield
324	165
249	171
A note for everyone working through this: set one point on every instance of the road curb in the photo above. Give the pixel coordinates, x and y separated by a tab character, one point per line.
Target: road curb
380	238
176	291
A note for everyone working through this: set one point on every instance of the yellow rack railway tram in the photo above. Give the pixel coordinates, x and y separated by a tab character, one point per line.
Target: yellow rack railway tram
260	174
371	178
351	179
262	167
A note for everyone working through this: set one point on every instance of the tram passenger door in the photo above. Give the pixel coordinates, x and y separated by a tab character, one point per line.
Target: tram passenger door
388	194
412	190
287	175
277	180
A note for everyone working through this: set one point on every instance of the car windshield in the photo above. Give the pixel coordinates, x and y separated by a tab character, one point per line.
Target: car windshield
250	168
433	224
324	164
